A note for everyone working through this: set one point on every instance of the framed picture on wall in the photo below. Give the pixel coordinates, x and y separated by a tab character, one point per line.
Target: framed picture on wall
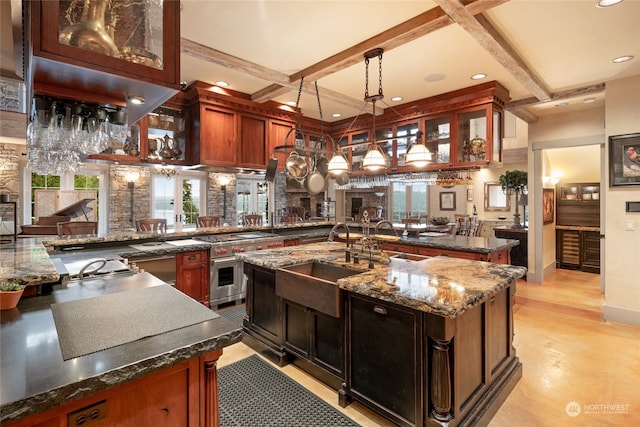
448	201
624	159
548	205
469	194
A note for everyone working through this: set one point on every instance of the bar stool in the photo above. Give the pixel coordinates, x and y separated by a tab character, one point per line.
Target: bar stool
252	219
77	228
156	225
207	221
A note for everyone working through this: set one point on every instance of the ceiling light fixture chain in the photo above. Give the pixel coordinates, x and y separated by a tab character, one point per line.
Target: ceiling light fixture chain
299	92
367	56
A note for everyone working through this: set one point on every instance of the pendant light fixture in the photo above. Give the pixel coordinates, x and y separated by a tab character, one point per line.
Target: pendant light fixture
338	163
375	159
418	155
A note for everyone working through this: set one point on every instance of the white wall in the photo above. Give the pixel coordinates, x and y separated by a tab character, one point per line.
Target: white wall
622	248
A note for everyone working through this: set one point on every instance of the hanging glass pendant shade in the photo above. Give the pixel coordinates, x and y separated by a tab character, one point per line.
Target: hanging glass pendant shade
375	159
419	156
338	163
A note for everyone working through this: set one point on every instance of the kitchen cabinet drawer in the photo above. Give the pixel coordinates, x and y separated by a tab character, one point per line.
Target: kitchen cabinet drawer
192	258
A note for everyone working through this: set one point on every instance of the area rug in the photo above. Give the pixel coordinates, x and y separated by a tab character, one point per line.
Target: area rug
88	325
234	314
254	393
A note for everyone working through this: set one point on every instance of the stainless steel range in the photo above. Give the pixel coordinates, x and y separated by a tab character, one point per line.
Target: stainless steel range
228	282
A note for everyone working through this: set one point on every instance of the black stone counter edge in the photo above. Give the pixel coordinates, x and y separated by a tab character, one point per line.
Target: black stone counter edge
88	386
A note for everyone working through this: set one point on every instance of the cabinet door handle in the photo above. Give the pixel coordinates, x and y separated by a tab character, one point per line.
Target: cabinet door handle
380	310
192	257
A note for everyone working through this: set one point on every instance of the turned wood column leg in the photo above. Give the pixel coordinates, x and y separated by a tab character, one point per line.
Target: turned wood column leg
441	380
211	406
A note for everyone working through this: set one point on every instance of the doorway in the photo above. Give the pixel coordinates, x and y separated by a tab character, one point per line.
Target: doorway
559	159
179	199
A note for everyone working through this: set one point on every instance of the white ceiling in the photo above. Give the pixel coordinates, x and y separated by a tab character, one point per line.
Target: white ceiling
567	44
563	45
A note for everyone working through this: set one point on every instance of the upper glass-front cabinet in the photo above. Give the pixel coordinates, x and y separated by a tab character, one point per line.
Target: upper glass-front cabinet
125	29
438	139
110	50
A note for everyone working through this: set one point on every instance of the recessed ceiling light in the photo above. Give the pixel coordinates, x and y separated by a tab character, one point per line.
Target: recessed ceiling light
620	59
136	99
607	3
478	76
589	100
396	98
291	103
222	83
336	115
562	104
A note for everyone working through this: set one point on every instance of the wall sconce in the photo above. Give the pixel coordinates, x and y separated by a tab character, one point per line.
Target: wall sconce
132	177
553	179
224	180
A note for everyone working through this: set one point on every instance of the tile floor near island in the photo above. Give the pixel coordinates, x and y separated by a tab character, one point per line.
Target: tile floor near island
577	369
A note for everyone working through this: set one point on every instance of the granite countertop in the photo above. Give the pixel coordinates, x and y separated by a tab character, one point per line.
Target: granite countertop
462	243
36	378
28	260
443	286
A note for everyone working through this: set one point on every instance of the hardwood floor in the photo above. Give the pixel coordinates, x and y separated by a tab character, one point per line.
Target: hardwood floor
578	369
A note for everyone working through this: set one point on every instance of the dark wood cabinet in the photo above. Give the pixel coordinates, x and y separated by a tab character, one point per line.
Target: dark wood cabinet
192	275
107	68
384	362
519	254
578	250
590	251
264	324
318	339
578	204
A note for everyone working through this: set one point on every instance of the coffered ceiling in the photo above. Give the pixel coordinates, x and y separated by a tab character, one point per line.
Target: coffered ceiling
544	51
539	49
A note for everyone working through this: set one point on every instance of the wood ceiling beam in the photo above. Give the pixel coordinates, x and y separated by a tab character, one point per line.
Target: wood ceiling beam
520	107
492	41
557	96
281	82
412	29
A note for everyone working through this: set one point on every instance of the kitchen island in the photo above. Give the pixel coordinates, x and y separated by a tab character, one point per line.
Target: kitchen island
421	342
165	379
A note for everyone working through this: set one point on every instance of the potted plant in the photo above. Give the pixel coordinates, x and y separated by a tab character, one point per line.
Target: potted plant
10	293
514	182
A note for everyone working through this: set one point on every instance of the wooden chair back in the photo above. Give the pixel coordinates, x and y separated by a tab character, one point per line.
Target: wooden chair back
77	228
155	225
207	221
252	219
478	228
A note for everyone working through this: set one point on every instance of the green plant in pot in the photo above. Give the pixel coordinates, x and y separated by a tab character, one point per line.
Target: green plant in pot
514	182
10	293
